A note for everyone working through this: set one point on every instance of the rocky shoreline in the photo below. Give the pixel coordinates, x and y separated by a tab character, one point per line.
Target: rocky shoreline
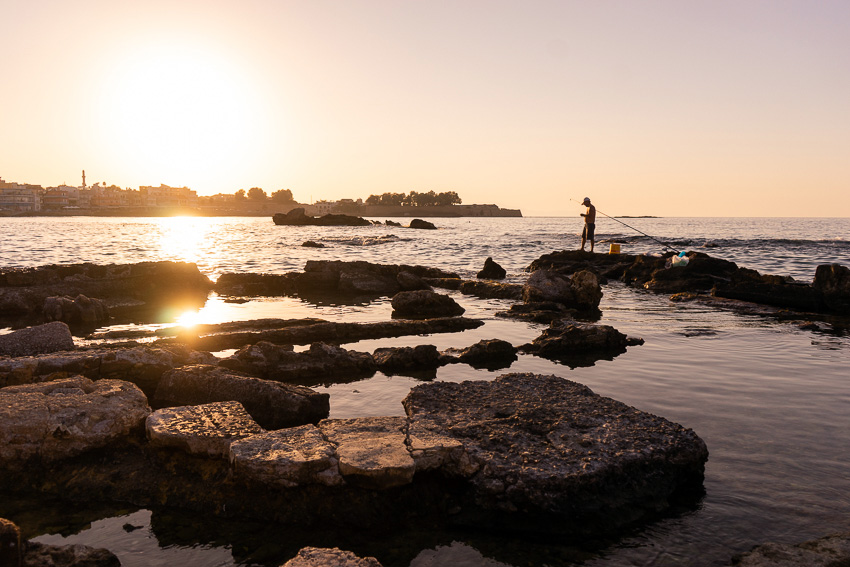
155	419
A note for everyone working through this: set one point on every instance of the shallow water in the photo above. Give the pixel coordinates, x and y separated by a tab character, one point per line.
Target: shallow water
769	399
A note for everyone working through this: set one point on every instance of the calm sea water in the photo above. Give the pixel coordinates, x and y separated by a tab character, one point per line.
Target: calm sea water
770	400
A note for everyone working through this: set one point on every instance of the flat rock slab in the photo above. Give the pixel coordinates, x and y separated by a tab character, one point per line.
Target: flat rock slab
556	452
206	429
59	419
371	450
289	458
830	551
272	404
50	337
324	557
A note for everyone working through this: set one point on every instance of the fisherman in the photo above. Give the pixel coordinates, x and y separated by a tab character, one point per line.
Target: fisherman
589	223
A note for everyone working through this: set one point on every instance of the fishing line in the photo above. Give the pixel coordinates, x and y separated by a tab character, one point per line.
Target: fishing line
664	244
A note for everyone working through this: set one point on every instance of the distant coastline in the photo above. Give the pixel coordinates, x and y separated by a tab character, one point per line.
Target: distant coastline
263	209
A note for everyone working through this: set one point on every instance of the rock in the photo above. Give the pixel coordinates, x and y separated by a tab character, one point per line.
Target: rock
312	244
50	337
322	277
80	310
553	455
271	285
419	223
281	363
11	552
366	282
59	419
392	223
147	282
491	290
700	274
206	430
579	344
273	405
290	457
445	283
43	555
298	217
371	450
568	262
307	331
832	281
537	311
323	557
581	291
490	354
395	360
492	271
829	551
408	281
424	304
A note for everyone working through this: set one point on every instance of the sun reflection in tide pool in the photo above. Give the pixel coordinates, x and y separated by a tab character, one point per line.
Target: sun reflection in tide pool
214	311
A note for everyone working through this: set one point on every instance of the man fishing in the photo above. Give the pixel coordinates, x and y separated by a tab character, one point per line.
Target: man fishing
589	223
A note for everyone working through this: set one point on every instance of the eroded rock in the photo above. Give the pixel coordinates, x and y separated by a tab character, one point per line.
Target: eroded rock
394	360
492	271
554	454
422	224
325	557
50	337
298	217
581	291
290	457
81	310
320	362
206	429
579	344
274	405
371	450
62	418
425	304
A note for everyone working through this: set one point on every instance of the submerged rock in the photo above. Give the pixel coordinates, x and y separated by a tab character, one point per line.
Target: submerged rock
492	271
256	284
554	455
274	405
324	557
829	551
206	429
59	419
424	304
491	290
77	555
41	339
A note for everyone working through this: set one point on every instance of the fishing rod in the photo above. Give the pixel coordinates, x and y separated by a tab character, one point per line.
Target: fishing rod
664	244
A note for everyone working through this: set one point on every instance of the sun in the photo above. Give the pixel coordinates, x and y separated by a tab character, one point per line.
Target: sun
179	112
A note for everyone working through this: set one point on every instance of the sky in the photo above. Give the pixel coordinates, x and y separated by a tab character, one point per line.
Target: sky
667	108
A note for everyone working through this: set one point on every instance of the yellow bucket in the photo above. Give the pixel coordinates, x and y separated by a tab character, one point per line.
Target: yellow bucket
614	248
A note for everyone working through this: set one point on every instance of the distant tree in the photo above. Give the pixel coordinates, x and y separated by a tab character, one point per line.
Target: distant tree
240	195
373	200
410	199
448	198
257	194
283	196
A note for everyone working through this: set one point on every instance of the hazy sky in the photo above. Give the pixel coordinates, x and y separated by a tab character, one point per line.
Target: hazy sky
673	108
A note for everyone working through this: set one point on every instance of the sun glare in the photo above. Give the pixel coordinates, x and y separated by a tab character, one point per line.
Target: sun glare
179	112
183	238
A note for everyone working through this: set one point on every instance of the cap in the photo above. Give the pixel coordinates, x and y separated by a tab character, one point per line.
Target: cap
586	200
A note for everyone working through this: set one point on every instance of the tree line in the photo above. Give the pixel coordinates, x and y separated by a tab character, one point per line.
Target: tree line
412	199
415	199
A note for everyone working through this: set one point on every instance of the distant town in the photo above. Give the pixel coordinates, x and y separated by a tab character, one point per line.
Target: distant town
24	199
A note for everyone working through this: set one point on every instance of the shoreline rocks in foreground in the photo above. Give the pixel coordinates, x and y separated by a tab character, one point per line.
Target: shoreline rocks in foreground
523	452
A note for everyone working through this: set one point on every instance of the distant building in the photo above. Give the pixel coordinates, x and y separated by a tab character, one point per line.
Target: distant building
20	198
61	197
165	196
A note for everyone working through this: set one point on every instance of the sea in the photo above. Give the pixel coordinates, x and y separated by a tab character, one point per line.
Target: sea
769	396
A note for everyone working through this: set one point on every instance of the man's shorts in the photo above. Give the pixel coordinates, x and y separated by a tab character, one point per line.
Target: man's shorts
587	233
